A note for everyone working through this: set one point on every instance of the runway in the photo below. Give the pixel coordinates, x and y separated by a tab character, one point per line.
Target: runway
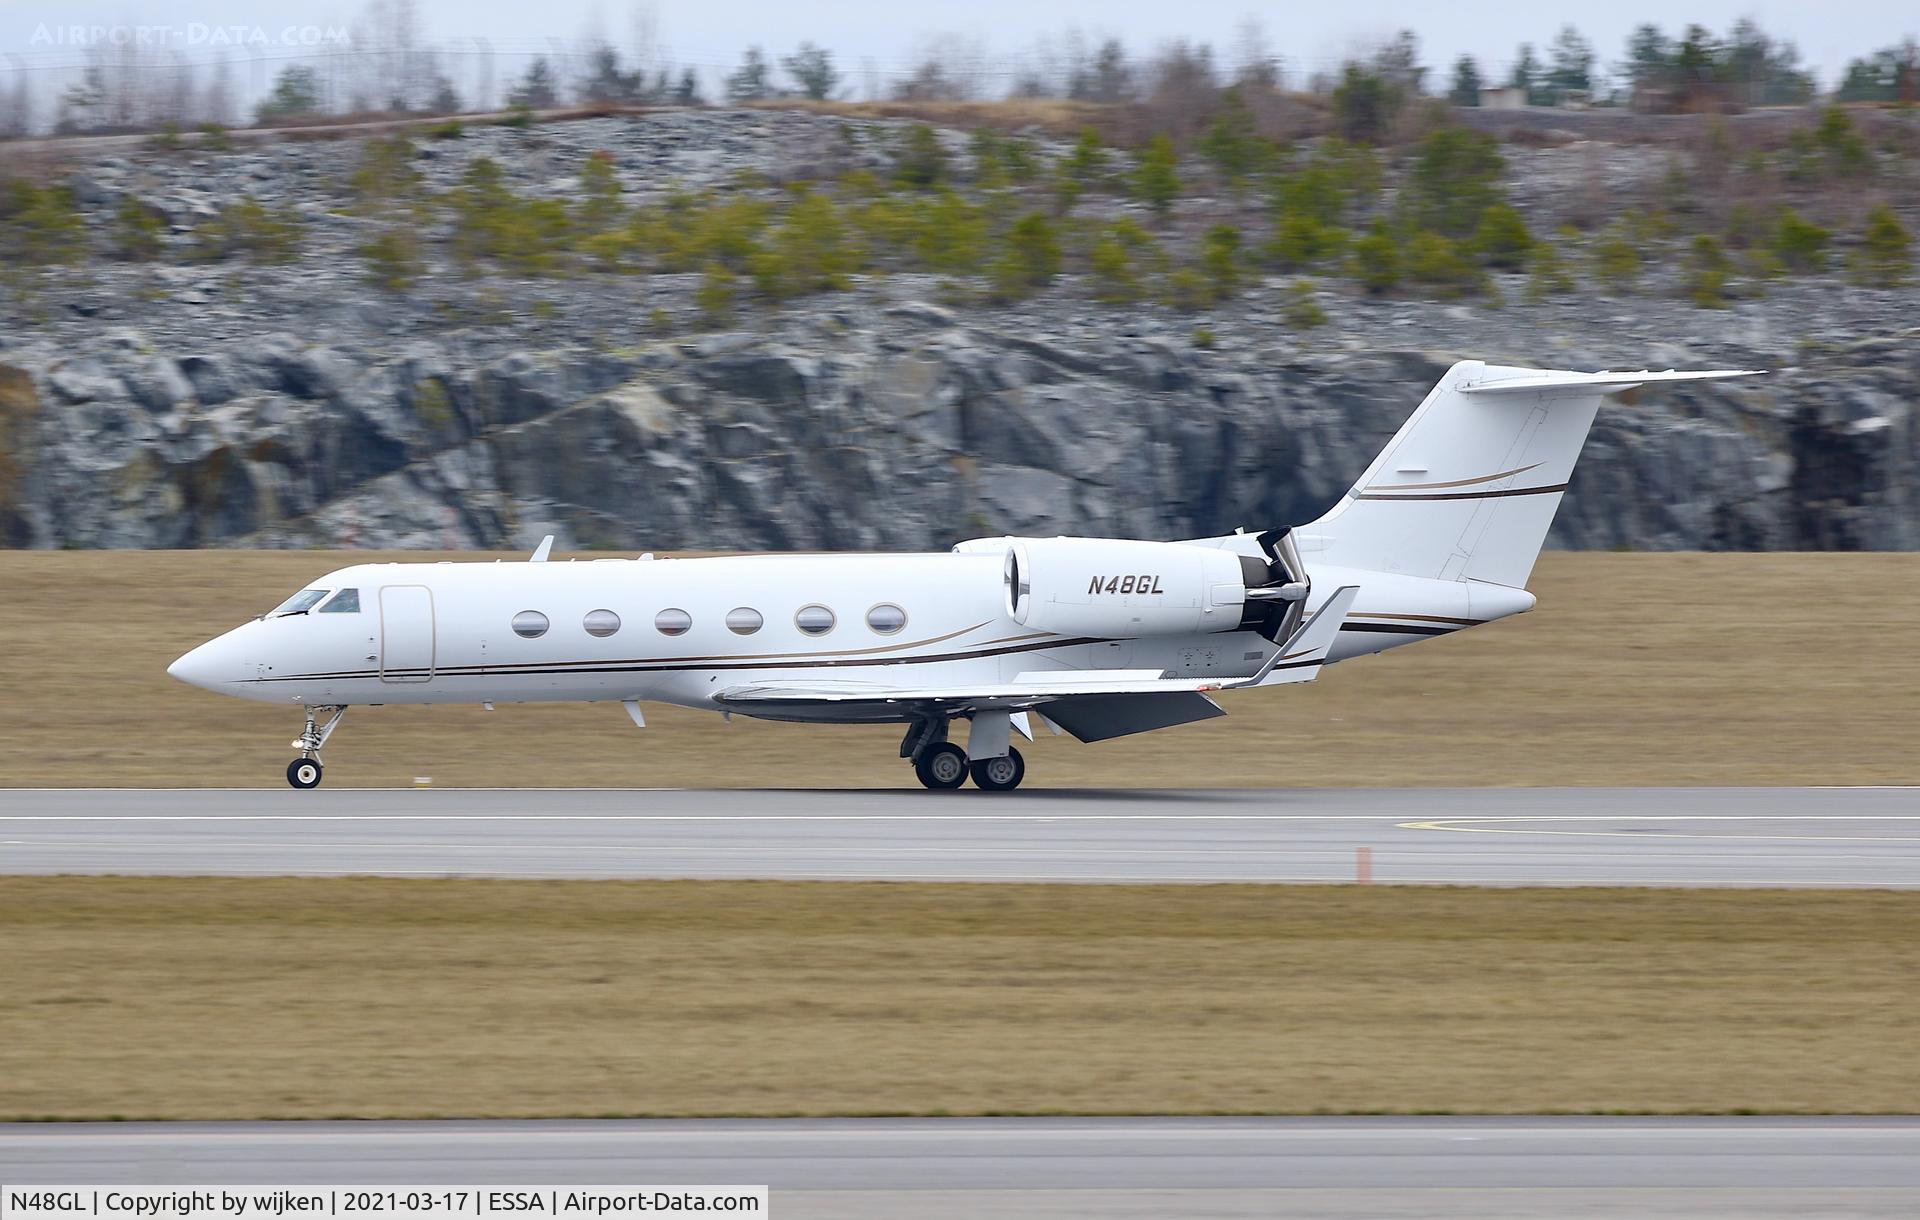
1823	837
1221	1167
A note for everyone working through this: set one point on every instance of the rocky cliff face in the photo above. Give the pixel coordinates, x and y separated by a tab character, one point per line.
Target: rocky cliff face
889	427
184	406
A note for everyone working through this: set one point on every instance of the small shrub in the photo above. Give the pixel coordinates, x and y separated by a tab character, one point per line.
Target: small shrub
1707	273
1030	260
1617	262
600	208
451	129
1745	226
1547	275
1082	170
1204	338
167	139
519	115
1847	153
1156	179
1365	103
1300	240
136	230
431	402
1454	179
718	288
949	235
922	163
1187	289
385	175
1440	265
809	251
1237	150
1799	244
1220	260
251	230
1302	310
1885	256
39	226
393	259
1502	239
1110	264
215	138
1376	260
527	236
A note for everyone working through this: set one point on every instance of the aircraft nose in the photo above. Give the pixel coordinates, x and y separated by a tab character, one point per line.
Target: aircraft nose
201	667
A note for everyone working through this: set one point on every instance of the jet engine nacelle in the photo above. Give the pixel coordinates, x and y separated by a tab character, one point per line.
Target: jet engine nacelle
1118	589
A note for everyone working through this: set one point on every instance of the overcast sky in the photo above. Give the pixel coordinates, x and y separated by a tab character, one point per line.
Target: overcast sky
885	34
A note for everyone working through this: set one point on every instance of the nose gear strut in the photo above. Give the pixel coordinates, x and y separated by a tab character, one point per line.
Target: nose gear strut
305	771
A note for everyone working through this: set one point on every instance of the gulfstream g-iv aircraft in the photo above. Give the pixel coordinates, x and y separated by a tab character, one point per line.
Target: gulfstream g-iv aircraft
1096	637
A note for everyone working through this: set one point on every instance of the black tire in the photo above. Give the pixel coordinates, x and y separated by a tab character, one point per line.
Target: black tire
304	773
999	774
941	766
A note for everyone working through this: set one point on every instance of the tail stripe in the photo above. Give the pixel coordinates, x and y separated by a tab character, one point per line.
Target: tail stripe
1468	495
1485	478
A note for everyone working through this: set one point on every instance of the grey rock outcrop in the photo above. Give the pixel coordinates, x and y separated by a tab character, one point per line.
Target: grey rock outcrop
229	403
908	428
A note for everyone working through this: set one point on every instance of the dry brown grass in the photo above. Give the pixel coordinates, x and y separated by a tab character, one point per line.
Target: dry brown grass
1635	669
232	998
1055	116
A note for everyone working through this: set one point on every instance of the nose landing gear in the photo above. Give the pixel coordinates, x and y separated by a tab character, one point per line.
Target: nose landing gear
305	771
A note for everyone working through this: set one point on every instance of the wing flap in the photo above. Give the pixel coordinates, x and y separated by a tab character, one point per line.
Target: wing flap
1298	660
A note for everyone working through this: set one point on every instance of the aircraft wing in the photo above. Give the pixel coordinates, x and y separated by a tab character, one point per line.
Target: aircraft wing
1298	660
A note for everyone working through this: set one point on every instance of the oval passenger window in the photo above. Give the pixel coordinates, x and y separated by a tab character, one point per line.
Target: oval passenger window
744	620
602	623
530	624
886	618
814	620
673	622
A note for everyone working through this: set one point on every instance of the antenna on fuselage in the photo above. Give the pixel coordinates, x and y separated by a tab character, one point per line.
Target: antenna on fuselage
541	552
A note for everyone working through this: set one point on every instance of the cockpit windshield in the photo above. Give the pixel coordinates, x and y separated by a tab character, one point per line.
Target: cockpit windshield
346	601
299	603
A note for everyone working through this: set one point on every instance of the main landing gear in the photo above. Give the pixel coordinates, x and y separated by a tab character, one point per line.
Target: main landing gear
941	765
305	771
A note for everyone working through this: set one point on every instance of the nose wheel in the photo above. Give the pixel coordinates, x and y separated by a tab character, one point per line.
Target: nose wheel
305	771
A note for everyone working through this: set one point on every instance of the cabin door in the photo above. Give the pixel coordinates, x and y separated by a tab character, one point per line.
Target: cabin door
406	633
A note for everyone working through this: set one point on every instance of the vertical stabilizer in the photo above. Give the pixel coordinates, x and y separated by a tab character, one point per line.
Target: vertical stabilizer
1467	488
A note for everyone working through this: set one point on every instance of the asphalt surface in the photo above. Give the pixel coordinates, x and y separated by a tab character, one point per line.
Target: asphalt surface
1061	1167
1830	837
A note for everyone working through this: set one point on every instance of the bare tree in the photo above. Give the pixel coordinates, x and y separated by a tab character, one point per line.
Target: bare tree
216	104
1108	77
1255	64
948	68
1182	89
16	103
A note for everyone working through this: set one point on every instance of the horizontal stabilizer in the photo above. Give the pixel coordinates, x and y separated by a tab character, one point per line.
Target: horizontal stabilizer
1551	384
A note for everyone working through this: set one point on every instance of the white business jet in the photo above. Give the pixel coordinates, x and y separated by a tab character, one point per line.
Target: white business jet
1098	637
